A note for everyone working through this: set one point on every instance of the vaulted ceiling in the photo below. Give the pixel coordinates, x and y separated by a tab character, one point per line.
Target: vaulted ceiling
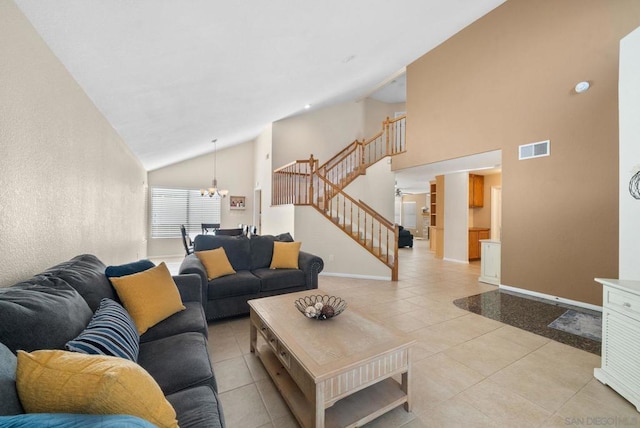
172	75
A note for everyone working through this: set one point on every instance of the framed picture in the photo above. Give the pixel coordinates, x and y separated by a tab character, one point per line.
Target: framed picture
237	202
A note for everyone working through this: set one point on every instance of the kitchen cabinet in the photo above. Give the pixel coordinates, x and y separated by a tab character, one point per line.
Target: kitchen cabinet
476	191
475	235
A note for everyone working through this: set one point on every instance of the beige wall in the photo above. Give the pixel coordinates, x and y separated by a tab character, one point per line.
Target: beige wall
235	173
507	80
68	183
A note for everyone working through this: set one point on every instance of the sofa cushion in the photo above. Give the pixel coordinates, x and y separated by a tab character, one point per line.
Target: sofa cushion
278	279
237	248
43	312
9	401
177	362
215	262
149	296
261	251
192	319
128	268
239	284
52	381
85	273
285	255
111	331
73	420
197	407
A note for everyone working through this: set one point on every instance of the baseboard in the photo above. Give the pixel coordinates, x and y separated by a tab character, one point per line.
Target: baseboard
551	298
464	262
352	275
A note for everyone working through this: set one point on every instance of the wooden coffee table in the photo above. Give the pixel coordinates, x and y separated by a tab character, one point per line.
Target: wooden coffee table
337	372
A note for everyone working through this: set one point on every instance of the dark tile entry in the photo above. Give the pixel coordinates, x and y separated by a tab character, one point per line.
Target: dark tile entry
527	313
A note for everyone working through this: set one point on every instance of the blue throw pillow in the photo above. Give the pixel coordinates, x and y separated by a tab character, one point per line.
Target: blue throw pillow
128	269
111	331
67	420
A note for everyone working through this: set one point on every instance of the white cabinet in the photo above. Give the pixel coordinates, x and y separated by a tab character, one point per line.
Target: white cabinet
621	338
490	262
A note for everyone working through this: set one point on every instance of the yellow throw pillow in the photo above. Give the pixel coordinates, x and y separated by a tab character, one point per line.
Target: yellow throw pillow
54	381
149	296
216	263
285	255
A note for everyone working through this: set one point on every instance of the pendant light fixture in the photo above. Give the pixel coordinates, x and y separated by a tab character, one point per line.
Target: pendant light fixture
213	190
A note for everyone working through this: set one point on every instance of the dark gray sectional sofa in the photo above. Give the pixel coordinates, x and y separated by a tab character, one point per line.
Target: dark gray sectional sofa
250	258
53	307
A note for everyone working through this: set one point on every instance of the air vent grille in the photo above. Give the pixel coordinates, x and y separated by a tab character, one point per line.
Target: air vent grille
534	150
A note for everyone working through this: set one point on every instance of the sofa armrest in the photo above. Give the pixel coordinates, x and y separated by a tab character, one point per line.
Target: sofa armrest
311	265
189	286
192	265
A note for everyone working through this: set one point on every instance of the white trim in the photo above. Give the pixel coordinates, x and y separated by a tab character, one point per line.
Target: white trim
351	275
551	298
447	259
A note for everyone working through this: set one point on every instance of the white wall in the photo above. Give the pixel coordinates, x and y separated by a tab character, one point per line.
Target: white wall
279	219
342	255
235	173
456	212
375	112
322	133
629	110
263	170
376	188
68	183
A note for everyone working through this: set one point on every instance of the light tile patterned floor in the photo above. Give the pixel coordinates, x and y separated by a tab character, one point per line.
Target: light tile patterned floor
467	371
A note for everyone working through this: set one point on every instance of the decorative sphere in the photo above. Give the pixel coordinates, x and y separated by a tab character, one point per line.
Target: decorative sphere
318	306
327	311
310	312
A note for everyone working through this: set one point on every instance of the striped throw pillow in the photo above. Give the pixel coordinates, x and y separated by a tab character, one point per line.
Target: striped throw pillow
111	331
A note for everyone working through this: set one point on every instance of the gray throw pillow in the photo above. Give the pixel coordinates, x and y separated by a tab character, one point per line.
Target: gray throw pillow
41	313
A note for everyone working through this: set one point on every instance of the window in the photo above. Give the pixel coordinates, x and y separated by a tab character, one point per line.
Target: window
172	207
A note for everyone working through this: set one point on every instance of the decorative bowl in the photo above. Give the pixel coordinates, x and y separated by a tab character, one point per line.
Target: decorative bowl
320	307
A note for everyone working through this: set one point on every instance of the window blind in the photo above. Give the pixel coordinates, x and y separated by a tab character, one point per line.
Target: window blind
171	208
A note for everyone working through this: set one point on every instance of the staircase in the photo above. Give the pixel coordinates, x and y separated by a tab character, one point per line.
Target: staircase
303	182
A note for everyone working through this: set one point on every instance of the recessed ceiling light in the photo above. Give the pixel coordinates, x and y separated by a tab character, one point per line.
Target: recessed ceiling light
582	86
307	106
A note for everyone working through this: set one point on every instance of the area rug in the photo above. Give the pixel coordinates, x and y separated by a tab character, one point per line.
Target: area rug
581	324
531	314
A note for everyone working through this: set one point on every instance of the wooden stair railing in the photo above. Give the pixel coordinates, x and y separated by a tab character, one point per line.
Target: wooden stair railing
303	182
354	159
363	224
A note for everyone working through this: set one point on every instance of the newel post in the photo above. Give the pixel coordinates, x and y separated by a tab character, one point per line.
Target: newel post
386	132
312	163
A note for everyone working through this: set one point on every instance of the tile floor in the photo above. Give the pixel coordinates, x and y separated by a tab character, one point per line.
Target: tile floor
468	370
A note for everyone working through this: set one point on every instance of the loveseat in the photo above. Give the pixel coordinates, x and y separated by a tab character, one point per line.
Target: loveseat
46	313
251	259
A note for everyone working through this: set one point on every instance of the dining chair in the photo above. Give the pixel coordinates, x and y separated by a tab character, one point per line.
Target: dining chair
206	227
186	240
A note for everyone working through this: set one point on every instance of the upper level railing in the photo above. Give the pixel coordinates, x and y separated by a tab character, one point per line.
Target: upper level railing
292	184
354	159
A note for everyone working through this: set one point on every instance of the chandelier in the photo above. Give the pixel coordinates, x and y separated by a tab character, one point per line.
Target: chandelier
214	190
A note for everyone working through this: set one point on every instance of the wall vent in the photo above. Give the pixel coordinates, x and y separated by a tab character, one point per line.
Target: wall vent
534	150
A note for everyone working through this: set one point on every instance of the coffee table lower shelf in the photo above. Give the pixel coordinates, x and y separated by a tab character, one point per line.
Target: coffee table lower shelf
351	411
